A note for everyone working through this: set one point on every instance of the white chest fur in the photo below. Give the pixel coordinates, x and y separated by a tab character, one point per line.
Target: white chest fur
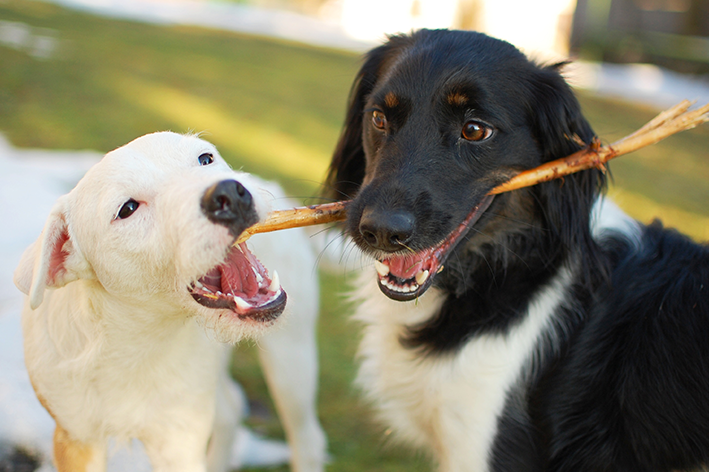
446	404
100	385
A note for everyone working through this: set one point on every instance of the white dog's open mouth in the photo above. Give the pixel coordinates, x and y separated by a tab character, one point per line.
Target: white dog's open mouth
241	284
406	277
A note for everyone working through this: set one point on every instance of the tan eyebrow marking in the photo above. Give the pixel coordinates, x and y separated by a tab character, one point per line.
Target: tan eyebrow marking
457	98
390	100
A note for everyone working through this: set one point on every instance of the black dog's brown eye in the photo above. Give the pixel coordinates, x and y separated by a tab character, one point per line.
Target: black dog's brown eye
379	120
127	209
476	131
205	159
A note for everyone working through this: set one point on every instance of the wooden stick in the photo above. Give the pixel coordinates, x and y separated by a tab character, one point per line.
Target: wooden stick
298	217
667	123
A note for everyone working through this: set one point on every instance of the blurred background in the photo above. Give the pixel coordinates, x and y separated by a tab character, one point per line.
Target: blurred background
267	82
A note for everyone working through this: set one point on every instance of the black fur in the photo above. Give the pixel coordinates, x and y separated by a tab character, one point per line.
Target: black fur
623	383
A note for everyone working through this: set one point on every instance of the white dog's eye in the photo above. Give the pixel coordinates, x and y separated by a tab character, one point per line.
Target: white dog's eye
205	159
127	209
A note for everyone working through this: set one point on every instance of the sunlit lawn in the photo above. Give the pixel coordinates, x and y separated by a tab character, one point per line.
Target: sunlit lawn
274	109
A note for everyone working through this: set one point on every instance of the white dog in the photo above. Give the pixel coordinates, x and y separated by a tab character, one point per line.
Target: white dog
139	254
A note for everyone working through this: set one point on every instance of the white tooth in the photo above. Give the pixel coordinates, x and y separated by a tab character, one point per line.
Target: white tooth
396	288
198	284
275	283
275	296
241	304
382	269
421	277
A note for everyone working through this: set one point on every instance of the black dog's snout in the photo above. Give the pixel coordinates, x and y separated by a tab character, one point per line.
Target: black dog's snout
388	231
229	204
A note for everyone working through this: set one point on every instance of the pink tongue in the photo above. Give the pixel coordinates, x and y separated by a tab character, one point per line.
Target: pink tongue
238	276
405	267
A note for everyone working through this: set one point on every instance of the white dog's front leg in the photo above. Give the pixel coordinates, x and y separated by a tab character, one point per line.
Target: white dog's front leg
177	451
71	455
289	360
230	408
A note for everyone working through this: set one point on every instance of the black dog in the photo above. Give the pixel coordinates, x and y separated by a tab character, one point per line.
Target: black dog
540	330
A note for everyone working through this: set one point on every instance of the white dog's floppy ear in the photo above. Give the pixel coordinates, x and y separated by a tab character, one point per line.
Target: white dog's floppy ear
50	262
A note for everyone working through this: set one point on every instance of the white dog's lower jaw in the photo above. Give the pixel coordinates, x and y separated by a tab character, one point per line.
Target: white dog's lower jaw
241	284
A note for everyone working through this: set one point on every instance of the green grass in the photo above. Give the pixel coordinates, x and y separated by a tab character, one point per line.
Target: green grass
274	109
269	106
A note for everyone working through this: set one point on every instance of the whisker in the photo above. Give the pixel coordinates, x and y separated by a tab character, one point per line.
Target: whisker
406	247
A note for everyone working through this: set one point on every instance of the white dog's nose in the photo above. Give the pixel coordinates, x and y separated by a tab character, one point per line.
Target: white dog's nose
229	204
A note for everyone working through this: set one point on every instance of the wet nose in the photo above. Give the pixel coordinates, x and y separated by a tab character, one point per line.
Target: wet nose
228	203
386	230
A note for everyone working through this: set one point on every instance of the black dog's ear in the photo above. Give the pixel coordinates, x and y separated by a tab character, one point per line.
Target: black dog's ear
348	162
557	121
560	129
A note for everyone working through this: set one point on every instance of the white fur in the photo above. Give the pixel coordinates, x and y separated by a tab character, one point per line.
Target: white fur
607	217
114	348
449	405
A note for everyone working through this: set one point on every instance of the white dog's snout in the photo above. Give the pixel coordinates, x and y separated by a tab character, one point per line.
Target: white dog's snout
230	204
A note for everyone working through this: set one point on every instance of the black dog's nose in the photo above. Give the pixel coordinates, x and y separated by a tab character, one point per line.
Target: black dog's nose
386	230
229	204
